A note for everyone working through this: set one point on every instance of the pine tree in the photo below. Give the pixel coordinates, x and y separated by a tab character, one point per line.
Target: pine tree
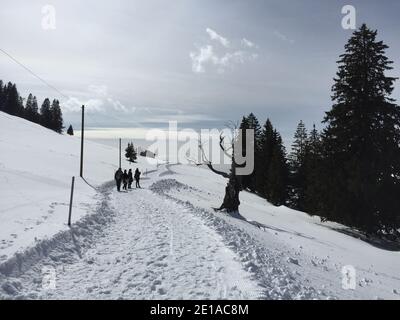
264	156
312	171
360	181
273	171
56	122
70	130
35	110
2	95
31	109
251	123
277	174
45	114
130	153
12	104
297	167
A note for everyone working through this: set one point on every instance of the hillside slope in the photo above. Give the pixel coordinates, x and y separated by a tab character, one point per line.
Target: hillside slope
164	241
36	167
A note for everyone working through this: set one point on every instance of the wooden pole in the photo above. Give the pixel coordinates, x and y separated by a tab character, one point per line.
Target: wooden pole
120	153
82	138
70	201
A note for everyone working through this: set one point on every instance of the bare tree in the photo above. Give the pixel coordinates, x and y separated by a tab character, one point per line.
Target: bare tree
231	200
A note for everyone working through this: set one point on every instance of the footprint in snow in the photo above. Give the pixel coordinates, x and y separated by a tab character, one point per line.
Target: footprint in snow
294	261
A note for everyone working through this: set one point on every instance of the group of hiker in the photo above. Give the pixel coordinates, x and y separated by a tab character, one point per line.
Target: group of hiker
125	179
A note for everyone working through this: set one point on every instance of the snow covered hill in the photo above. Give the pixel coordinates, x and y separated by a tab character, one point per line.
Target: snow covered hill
163	241
36	167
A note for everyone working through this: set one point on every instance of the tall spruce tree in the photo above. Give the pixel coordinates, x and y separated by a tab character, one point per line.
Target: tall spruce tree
277	174
13	104
56	122
297	167
273	171
360	181
31	109
251	123
265	155
45	114
311	169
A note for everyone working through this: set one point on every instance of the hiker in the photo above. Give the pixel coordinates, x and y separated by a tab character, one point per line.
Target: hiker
118	178
130	179
137	177
125	180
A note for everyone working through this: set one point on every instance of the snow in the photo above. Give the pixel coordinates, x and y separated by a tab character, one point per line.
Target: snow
163	241
36	168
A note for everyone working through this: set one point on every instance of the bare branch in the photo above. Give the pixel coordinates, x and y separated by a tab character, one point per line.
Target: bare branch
221	173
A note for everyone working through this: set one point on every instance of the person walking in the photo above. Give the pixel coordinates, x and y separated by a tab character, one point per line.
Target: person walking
125	180
130	179
118	178
137	177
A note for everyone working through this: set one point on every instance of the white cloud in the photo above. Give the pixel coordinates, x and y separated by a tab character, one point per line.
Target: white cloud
74	104
215	36
283	37
203	56
100	90
227	59
118	106
206	55
100	102
247	43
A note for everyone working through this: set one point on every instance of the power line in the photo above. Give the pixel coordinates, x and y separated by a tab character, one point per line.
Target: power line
51	86
33	73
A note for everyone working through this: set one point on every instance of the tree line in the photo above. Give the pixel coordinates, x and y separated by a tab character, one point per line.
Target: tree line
349	172
49	115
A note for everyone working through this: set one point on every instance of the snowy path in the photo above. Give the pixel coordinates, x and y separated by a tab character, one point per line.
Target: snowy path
153	249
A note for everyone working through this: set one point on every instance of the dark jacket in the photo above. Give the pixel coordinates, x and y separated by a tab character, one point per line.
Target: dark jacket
118	175
137	174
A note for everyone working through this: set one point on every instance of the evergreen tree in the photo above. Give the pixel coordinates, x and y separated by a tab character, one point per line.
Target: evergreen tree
297	167
265	156
277	174
251	123
45	114
2	95
360	179
70	130
35	110
56	123
31	109
312	171
12	104
273	170
130	153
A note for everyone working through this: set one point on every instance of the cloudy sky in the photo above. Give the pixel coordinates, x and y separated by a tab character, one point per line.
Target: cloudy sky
143	63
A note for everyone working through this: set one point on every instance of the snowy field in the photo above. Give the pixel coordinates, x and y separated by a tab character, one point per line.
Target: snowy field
163	241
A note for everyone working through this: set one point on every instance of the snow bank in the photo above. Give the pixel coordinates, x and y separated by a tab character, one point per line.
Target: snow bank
316	253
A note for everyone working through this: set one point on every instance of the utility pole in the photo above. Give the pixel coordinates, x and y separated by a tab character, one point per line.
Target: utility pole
82	138
120	152
70	201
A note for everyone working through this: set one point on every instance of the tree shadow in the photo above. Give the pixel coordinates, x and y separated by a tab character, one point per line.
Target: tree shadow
377	242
